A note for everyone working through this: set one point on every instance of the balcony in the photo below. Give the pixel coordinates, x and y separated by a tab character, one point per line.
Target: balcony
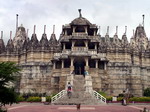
79	49
80	34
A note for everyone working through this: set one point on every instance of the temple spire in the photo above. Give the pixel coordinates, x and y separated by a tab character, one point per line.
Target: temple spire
53	29
80	15
27	32
116	30
125	30
10	35
99	30
34	29
1	34
107	30
44	29
143	19
17	22
133	32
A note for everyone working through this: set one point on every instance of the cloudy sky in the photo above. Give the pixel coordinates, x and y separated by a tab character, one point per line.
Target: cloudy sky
104	13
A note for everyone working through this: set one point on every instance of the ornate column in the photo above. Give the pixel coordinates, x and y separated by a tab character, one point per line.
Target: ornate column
87	64
96	63
74	29
104	65
94	32
65	32
64	47
62	64
71	65
54	65
96	46
85	29
86	43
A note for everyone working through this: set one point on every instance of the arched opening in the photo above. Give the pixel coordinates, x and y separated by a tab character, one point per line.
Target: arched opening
80	29
79	43
79	66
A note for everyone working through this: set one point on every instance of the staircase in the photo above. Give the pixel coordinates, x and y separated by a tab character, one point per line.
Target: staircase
79	94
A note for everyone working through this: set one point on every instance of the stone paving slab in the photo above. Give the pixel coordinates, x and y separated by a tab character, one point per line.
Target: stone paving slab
72	108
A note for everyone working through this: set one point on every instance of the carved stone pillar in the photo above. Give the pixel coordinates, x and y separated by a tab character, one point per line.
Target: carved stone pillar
96	63
65	32
74	29
62	65
95	46
85	29
105	66
73	42
86	44
94	33
54	65
64	47
71	65
87	64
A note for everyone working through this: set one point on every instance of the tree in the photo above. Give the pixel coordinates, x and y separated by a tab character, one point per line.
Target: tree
146	92
9	72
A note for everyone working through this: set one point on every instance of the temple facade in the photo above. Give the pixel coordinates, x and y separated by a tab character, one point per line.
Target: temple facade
114	64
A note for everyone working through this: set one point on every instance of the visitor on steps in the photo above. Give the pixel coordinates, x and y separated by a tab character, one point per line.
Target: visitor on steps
69	90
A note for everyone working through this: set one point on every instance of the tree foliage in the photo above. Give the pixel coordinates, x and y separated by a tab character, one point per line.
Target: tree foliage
147	92
8	73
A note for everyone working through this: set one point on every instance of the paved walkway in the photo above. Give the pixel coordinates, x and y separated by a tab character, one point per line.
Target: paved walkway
39	107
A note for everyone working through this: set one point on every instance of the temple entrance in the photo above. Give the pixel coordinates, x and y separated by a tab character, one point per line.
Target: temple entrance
79	66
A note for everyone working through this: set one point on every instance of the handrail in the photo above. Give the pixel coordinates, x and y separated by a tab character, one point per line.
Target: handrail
59	95
99	96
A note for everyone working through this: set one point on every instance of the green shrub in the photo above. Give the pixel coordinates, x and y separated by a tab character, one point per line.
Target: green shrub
48	98
140	99
109	98
119	98
20	99
146	92
34	99
102	93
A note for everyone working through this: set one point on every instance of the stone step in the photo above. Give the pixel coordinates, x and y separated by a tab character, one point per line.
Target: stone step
78	94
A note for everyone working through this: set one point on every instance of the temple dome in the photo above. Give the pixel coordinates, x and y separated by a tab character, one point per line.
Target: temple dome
80	21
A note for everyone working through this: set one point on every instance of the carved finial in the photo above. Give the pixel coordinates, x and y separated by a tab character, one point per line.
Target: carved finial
34	29
107	30
116	30
1	34
17	22
80	15
44	29
143	19
53	29
125	30
10	35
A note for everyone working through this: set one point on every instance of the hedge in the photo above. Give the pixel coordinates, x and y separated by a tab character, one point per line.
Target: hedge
142	99
34	99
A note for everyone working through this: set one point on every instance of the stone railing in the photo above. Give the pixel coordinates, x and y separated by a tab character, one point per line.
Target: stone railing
80	34
98	96
57	54
66	51
58	96
92	52
79	49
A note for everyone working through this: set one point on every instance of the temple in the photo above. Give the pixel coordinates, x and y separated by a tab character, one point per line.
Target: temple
113	64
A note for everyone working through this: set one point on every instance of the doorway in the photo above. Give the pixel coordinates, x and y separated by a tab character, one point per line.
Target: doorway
79	66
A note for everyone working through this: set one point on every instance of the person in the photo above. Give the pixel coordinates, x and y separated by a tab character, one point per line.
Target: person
69	90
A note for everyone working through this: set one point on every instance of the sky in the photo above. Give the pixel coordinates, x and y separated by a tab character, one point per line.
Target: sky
103	13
